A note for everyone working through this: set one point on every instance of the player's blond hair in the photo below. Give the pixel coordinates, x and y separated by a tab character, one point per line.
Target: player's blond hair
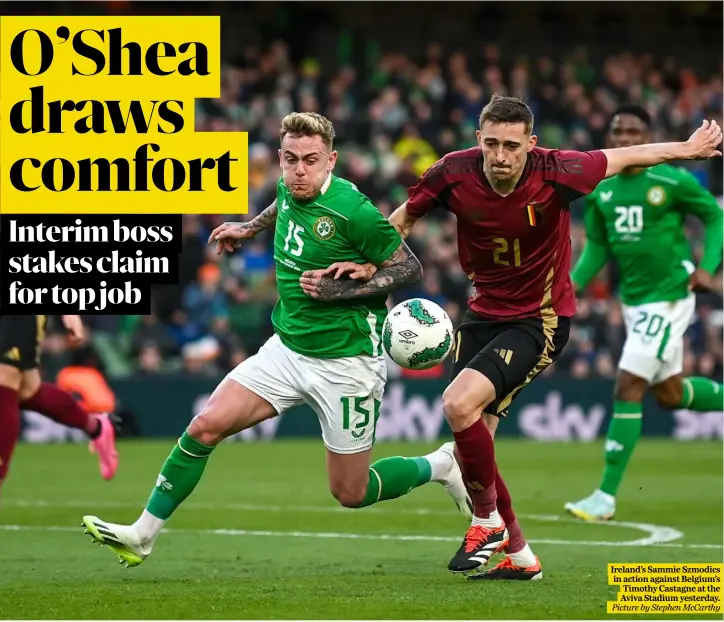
307	124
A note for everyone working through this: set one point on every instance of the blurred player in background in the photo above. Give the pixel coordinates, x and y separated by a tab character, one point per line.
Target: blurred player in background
326	351
21	388
637	219
511	199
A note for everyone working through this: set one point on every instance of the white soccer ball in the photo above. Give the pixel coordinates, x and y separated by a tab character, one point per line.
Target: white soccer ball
417	334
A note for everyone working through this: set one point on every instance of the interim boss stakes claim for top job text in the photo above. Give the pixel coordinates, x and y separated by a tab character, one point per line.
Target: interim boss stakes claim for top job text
113	262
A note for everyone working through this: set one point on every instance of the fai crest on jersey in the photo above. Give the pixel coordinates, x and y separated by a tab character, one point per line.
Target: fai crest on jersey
324	228
656	196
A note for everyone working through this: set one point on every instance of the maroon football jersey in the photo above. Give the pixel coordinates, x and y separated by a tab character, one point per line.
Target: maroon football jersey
515	249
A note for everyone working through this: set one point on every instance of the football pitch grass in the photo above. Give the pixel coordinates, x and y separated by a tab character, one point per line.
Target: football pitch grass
261	538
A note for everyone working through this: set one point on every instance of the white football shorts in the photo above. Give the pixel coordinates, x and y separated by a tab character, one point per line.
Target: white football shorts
346	393
654	348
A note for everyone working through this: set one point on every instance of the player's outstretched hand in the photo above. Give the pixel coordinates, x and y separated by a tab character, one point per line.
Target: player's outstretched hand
228	237
74	325
354	271
705	140
702	281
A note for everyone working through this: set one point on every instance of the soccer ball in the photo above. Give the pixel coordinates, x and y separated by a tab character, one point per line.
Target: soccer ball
417	334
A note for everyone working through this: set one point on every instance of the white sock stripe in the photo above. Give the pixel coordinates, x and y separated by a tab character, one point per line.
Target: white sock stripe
379	481
178	442
628	416
687	382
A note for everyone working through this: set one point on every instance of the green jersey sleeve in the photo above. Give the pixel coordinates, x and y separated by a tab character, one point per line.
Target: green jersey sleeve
595	252
372	234
695	199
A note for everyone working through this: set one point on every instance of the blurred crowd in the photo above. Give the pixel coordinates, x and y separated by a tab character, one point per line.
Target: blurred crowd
392	122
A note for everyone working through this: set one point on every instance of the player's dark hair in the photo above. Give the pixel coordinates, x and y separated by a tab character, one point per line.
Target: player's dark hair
507	110
634	110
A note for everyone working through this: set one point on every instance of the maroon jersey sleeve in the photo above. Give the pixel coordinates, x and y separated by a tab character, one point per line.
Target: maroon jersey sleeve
574	173
428	193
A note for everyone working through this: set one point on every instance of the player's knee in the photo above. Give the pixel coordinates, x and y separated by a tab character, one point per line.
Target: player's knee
461	407
26	392
629	388
207	428
203	430
455	406
348	496
669	396
668	402
10	377
30	386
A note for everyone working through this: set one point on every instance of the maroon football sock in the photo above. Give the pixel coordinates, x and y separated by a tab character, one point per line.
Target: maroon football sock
505	507
477	461
60	406
9	427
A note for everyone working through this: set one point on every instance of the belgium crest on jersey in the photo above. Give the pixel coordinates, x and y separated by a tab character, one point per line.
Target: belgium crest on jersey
656	196
324	228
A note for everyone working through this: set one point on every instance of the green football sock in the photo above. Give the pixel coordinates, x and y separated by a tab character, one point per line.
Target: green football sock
702	395
624	432
180	474
394	477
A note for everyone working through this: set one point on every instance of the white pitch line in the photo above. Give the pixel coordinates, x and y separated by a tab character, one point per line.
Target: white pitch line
355	536
656	534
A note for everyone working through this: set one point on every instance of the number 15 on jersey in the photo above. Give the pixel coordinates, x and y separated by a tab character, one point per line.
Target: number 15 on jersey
294	237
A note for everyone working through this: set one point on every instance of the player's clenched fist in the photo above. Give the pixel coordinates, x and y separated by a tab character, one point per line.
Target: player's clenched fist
705	140
228	236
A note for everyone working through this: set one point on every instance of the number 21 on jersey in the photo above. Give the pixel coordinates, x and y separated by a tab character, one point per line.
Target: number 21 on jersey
293	243
501	255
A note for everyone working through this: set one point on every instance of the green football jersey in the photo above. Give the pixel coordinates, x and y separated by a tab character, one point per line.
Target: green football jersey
640	220
340	224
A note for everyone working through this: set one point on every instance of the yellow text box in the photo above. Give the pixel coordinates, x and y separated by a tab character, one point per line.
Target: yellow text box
667	588
54	157
145	167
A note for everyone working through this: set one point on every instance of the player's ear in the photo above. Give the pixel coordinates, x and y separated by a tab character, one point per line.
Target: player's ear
532	142
332	160
479	137
279	151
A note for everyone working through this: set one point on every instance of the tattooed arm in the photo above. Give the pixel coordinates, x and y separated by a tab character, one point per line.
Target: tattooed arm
266	219
229	236
400	270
